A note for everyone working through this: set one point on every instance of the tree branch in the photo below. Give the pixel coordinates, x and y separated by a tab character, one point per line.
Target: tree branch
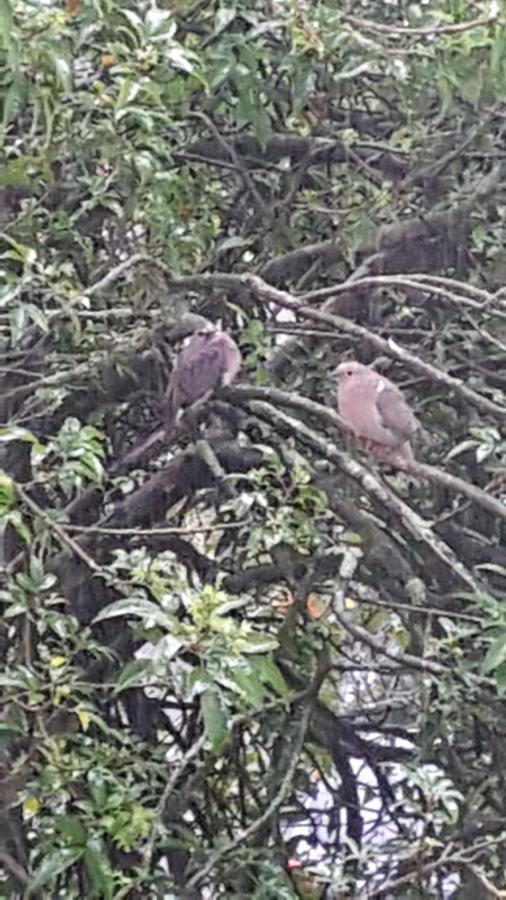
419	470
411	520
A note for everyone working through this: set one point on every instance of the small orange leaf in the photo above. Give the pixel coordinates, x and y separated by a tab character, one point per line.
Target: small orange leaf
106	60
71	7
315	606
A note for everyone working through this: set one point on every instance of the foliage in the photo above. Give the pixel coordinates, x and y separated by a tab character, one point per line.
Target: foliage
282	675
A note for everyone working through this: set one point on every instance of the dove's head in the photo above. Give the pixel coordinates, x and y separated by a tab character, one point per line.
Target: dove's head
347	370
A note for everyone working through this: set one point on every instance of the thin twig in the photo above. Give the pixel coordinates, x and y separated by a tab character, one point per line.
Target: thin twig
118	272
245	834
58	530
421	610
403	659
450	855
241	169
448	290
422	30
167	791
480	876
155	532
14	868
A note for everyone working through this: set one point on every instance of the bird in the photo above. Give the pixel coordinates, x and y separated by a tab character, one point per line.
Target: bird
210	360
375	410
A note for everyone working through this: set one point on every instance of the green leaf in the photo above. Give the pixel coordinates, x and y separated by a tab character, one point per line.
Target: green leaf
377	620
143	609
15	433
134	19
483	451
15	609
15	519
7	493
232	243
132	674
259	643
215	720
445	93
62	71
13	99
500	679
250	686
166	649
225	14
98	871
37	317
495	655
53	865
491	567
17	322
71	827
98	789
461	448
20	252
179	59
270	674
7	29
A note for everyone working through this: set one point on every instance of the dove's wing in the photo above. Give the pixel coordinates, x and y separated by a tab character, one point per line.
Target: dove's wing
199	368
395	414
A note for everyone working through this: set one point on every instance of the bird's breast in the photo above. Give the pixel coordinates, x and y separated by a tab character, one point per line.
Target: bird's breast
355	406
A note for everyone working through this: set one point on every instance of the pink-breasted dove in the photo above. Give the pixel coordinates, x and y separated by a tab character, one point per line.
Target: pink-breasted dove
210	360
375	410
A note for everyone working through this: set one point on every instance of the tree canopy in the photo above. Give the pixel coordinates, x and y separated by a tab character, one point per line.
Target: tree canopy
252	661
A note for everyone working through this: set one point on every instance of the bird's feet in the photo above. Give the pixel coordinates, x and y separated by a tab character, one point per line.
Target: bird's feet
372	446
380	449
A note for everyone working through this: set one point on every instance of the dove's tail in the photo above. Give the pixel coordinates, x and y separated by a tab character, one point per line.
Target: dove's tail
170	410
407	452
